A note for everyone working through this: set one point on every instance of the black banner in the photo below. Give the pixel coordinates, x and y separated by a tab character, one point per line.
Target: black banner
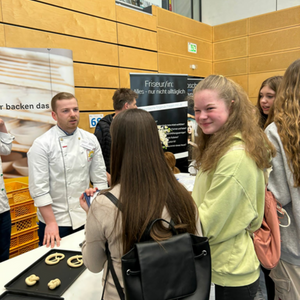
164	96
191	123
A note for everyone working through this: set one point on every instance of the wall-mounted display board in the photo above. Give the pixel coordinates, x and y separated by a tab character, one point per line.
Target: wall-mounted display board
164	96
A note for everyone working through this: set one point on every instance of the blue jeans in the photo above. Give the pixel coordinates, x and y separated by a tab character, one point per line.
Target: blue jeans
246	292
63	231
5	231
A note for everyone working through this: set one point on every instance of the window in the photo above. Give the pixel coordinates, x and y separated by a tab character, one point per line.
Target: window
139	3
187	8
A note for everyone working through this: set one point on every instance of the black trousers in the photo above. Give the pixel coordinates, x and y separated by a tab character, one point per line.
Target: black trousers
5	231
269	284
246	292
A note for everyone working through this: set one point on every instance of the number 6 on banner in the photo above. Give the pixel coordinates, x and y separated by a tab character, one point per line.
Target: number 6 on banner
94	119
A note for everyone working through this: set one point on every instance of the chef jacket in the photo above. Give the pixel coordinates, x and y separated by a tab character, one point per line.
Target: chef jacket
5	148
61	167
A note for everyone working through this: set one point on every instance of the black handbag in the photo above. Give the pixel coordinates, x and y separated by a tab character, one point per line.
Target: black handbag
177	268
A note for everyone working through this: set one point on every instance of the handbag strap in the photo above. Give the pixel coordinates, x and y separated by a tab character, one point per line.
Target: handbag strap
110	266
146	234
113	273
105	281
114	200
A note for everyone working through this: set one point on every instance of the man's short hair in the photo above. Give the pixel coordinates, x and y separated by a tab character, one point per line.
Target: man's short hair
122	96
61	96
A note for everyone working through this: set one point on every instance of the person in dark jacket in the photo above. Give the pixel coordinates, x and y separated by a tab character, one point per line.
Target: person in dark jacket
123	98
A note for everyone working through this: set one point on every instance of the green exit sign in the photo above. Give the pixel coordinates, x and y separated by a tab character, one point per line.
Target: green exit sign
192	47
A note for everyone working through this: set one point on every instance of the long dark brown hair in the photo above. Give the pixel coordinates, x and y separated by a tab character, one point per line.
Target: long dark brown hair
287	117
147	184
243	118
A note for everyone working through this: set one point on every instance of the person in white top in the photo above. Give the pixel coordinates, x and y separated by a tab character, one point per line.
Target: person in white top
5	219
62	162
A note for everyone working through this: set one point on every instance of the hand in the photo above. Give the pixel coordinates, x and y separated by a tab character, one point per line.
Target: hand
2	126
51	235
108	179
82	201
91	191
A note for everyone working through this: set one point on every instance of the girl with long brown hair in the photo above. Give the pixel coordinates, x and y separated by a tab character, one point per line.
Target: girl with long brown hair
265	104
266	98
146	188
284	181
232	153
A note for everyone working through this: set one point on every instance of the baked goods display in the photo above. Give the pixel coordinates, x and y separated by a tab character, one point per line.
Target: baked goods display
53	284
75	261
50	275
31	280
54	258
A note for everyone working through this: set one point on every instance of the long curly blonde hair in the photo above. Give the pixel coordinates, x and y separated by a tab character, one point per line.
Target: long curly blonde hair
243	118
287	117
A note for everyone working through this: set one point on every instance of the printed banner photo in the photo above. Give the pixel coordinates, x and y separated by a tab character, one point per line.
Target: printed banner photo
29	78
191	123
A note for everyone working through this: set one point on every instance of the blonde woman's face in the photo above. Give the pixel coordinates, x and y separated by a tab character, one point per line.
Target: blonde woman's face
267	97
190	127
211	112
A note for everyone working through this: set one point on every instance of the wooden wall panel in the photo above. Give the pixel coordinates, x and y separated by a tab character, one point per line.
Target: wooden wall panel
272	62
2	36
231	30
275	20
231	49
86	75
180	24
55	19
94	99
136	37
253	100
135	18
231	67
266	45
104	9
125	76
83	50
1	19
137	59
275	41
177	44
84	122
180	65
241	80
255	81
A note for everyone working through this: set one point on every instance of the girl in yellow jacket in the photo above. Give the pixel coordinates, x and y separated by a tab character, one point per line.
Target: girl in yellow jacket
232	152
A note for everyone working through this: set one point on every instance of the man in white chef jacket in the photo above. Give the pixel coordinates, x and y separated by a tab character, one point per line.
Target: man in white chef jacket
62	162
